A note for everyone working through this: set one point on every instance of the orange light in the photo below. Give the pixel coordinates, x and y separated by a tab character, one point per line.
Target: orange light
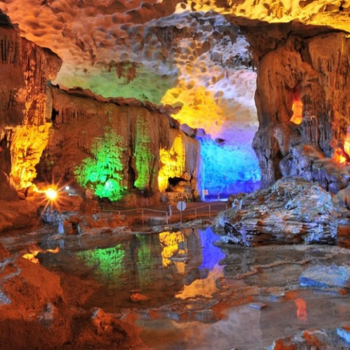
347	142
301	309
51	194
31	257
339	156
297	108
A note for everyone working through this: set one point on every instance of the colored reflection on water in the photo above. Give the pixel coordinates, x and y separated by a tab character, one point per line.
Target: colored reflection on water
161	267
301	309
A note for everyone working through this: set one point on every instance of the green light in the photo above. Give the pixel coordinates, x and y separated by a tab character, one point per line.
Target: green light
107	262
102	173
145	261
144	158
147	85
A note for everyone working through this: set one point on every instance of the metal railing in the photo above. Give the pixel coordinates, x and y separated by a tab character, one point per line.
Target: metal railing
202	211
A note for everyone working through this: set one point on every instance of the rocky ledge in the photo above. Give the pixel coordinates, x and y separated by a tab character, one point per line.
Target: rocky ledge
293	210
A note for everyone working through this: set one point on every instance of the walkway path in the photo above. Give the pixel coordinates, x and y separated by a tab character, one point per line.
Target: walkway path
159	214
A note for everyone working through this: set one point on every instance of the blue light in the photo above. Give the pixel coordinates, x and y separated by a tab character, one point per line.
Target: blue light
228	169
211	254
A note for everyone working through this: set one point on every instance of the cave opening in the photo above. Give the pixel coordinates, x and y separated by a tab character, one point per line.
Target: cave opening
174	181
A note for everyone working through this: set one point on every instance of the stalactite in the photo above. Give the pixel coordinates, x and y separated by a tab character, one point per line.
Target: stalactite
144	131
144	158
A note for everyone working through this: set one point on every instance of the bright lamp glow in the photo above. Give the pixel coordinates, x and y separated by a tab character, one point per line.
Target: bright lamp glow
51	194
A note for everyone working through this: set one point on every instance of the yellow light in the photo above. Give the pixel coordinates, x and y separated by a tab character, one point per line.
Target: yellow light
347	142
297	108
172	162
51	194
339	156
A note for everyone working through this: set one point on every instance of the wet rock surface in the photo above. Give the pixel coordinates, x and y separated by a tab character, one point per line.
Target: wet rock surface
293	210
325	276
33	306
18	215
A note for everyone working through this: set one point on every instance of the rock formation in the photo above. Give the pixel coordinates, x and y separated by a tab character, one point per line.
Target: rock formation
196	60
291	211
294	68
25	71
60	130
97	139
196	54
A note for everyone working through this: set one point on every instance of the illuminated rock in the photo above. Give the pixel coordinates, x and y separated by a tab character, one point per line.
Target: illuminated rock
151	55
103	329
34	297
33	306
25	70
202	55
324	338
112	146
344	331
180	161
27	145
291	211
7	188
308	162
18	215
137	297
285	70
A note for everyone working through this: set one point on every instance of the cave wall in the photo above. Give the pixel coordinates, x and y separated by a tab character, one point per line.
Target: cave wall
145	133
46	133
312	64
25	70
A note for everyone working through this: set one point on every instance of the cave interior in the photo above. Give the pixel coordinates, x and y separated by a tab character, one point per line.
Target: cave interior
135	134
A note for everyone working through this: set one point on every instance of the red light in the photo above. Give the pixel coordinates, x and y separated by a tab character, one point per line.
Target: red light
301	309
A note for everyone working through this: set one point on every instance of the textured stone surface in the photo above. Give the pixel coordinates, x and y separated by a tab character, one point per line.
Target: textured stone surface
196	60
308	162
325	276
312	339
344	331
17	215
7	189
144	129
25	69
293	210
194	54
295	67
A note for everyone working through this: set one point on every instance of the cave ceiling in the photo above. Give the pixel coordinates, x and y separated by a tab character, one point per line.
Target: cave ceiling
116	48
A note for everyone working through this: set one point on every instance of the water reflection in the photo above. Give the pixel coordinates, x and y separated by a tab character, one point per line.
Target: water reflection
201	281
173	266
246	328
160	266
301	309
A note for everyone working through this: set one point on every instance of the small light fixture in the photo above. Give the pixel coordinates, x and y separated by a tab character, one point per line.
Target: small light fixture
51	194
67	188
